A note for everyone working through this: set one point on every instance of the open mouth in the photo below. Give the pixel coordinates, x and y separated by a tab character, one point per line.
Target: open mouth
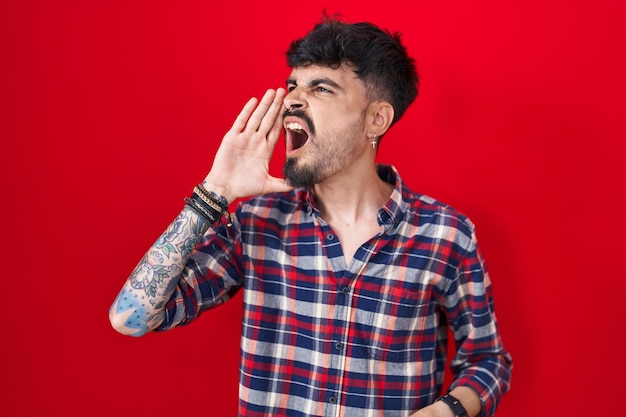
296	135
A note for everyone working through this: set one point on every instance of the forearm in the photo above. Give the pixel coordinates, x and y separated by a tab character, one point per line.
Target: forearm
240	169
467	396
139	307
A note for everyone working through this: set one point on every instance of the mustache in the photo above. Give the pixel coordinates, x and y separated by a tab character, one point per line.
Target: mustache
301	115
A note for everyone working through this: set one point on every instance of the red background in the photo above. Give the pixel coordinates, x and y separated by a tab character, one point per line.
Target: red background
111	112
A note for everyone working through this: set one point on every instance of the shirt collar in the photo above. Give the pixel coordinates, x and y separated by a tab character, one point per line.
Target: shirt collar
390	215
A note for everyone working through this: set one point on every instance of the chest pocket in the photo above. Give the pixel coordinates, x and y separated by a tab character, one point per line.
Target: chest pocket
395	320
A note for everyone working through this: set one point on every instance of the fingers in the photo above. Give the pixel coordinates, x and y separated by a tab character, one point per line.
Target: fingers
271	117
261	111
277	127
242	118
262	115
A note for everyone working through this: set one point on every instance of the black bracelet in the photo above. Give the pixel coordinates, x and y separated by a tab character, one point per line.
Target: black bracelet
208	205
203	210
454	404
219	203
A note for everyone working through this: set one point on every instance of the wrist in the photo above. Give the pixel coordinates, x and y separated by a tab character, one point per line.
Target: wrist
453	404
437	409
441	409
219	190
208	205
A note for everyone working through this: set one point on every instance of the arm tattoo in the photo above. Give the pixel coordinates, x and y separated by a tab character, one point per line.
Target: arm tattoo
168	254
154	280
147	277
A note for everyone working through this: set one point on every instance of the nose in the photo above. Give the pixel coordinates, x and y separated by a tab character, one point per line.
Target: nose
294	100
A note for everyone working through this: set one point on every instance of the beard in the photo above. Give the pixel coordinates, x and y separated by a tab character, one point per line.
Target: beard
300	177
324	157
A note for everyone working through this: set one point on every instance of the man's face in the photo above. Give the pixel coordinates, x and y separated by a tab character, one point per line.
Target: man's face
324	123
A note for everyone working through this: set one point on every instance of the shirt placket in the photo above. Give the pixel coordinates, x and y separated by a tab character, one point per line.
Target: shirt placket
345	284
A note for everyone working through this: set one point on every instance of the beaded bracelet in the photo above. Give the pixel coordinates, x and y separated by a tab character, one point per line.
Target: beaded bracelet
220	200
208	205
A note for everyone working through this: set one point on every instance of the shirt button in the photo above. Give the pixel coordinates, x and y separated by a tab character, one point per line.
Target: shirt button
345	290
330	236
332	400
338	345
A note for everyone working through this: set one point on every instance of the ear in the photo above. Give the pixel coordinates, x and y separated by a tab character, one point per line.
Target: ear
381	117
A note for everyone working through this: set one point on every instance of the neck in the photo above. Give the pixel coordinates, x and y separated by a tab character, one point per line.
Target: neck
353	196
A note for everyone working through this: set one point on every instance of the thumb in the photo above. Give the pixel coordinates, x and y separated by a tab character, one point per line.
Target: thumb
277	185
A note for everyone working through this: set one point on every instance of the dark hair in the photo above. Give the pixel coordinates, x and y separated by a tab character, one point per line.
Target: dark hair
377	56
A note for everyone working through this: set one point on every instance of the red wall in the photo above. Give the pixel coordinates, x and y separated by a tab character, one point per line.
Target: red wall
111	112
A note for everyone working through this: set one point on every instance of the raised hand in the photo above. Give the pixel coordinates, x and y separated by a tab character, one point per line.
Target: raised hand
241	164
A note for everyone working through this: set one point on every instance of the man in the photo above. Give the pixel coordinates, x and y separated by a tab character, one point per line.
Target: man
351	280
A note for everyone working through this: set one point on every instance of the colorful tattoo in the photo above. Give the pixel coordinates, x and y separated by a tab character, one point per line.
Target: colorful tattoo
128	306
154	281
176	229
147	277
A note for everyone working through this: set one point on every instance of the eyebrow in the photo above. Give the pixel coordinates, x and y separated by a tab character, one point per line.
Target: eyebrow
317	81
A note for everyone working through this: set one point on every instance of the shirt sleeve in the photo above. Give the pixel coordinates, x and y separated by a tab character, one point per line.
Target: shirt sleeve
211	276
481	361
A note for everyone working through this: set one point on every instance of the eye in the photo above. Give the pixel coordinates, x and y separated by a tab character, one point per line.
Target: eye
290	88
323	90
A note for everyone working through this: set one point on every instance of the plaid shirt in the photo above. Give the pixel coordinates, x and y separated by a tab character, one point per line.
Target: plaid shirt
322	338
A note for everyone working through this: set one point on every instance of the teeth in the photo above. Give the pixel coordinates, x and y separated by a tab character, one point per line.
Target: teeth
294	126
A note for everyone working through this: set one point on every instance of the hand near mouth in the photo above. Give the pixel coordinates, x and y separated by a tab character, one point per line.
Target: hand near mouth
241	165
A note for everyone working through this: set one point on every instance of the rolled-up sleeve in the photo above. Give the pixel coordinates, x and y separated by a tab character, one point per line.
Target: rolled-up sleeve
211	276
481	361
